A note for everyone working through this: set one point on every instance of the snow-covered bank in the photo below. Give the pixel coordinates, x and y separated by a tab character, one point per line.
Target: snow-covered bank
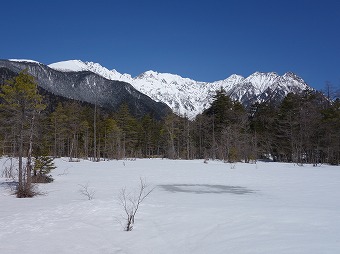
195	208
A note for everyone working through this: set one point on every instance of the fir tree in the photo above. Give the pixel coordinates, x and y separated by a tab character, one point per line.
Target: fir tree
43	165
23	103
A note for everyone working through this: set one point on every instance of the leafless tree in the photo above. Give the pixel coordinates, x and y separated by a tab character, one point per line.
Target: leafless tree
86	191
131	202
9	171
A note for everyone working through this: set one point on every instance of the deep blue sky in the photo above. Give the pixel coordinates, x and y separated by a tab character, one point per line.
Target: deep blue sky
202	40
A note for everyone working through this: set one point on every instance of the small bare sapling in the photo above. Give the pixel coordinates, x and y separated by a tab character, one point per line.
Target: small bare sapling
86	191
9	169
131	203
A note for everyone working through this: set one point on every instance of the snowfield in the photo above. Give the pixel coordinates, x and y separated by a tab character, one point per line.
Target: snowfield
195	208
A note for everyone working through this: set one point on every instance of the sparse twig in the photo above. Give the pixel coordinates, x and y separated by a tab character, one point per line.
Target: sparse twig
9	171
64	173
131	203
86	191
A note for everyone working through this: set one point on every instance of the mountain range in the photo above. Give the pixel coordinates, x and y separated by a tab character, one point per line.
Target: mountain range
86	86
189	97
87	80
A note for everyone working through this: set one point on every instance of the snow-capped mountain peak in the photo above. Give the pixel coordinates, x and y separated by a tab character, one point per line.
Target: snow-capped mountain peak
23	60
78	65
235	77
261	80
189	97
78	81
70	65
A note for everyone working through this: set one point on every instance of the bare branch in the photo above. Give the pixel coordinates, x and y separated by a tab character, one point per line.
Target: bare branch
86	191
131	203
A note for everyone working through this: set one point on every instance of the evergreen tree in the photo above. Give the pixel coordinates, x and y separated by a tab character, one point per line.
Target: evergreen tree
112	139
43	165
130	129
21	99
228	125
262	125
220	110
330	134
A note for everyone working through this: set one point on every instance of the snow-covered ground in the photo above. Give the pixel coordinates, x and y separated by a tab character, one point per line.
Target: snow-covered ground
194	208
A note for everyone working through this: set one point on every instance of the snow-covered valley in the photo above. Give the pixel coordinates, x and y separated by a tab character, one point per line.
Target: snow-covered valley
195	207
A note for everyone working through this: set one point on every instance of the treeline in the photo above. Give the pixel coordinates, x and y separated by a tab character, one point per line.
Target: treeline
303	128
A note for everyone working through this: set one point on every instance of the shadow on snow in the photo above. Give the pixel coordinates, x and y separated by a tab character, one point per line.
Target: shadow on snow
206	188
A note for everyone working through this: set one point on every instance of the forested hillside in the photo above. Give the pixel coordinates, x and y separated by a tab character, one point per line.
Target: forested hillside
303	128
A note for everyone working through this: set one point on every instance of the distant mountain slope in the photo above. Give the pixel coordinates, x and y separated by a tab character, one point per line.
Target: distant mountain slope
190	97
88	86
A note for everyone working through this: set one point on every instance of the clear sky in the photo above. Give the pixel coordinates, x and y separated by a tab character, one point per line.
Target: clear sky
202	40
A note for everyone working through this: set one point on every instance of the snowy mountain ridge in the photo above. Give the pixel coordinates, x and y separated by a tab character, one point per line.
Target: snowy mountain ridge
186	96
80	81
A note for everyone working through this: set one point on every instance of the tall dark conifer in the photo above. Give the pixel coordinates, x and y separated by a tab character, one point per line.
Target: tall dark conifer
21	99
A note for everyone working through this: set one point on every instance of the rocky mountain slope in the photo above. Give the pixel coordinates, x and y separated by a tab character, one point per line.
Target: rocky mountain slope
88	86
189	97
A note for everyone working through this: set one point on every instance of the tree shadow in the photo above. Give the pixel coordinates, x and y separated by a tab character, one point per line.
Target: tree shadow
9	185
206	188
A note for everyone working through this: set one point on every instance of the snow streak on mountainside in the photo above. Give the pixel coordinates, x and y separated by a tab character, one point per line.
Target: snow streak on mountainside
189	97
78	82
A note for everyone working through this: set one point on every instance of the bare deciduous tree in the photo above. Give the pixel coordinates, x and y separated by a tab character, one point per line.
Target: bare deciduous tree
9	171
86	191
131	203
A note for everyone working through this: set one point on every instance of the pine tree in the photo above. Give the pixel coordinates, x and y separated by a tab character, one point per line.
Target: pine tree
330	134
228	128
112	139
43	165
21	99
130	128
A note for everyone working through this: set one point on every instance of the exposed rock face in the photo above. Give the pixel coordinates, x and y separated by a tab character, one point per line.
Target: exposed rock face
87	86
190	97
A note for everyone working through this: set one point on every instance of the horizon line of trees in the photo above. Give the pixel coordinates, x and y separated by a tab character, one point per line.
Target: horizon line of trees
303	128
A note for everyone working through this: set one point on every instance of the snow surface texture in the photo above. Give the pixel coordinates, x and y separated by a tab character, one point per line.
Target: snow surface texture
195	208
189	97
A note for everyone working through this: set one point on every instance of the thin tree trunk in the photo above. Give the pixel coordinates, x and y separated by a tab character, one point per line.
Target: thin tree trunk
95	133
55	137
29	156
20	155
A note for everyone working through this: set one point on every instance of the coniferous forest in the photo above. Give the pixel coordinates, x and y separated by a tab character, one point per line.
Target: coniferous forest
303	128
